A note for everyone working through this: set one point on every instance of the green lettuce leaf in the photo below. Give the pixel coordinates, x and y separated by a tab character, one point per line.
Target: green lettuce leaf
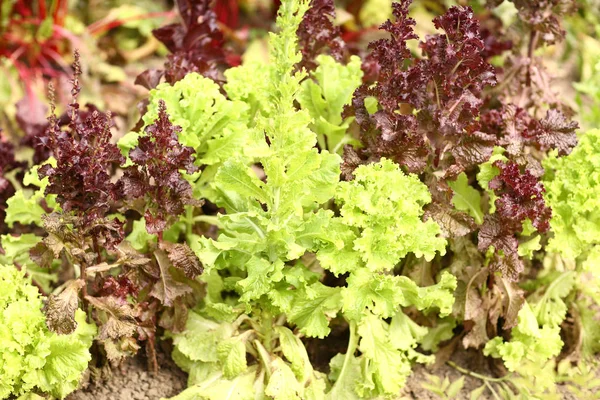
487	172
466	198
31	357
528	341
389	222
24	206
211	124
573	193
325	98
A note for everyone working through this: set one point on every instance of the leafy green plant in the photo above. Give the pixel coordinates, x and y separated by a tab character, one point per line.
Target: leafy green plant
528	344
276	240
325	102
312	222
32	358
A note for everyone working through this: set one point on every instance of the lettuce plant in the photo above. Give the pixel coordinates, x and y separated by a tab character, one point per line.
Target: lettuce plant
568	283
77	228
195	44
572	191
32	358
279	237
289	228
311	226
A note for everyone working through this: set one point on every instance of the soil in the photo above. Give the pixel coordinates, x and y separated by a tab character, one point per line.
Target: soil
470	360
134	382
414	391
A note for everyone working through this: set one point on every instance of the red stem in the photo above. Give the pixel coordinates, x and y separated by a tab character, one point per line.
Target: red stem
60	12
42	9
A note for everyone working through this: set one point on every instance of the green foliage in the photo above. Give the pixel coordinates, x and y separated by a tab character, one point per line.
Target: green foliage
531	343
388	222
16	250
467	198
211	124
526	249
25	206
24	209
270	254
487	172
279	233
215	127
375	12
549	306
580	379
590	89
290	226
31	357
273	222
248	83
325	98
573	192
139	238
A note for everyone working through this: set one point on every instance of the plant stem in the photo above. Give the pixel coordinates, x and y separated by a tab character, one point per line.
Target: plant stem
11	177
84	277
210	219
352	344
267	330
474	374
489	386
263	355
189	220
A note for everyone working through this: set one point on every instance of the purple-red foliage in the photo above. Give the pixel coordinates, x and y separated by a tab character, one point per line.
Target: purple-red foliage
317	33
554	131
196	45
120	287
432	111
445	87
514	128
434	116
387	55
505	259
158	158
543	16
36	131
7	163
84	157
520	197
493	45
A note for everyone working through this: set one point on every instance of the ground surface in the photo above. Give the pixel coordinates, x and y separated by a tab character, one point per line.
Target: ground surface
134	382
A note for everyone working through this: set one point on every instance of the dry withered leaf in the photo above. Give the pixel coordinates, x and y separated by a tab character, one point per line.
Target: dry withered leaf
452	222
118	317
512	301
167	289
60	309
118	350
183	258
42	255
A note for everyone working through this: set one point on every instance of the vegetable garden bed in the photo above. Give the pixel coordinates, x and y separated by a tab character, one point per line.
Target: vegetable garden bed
300	200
